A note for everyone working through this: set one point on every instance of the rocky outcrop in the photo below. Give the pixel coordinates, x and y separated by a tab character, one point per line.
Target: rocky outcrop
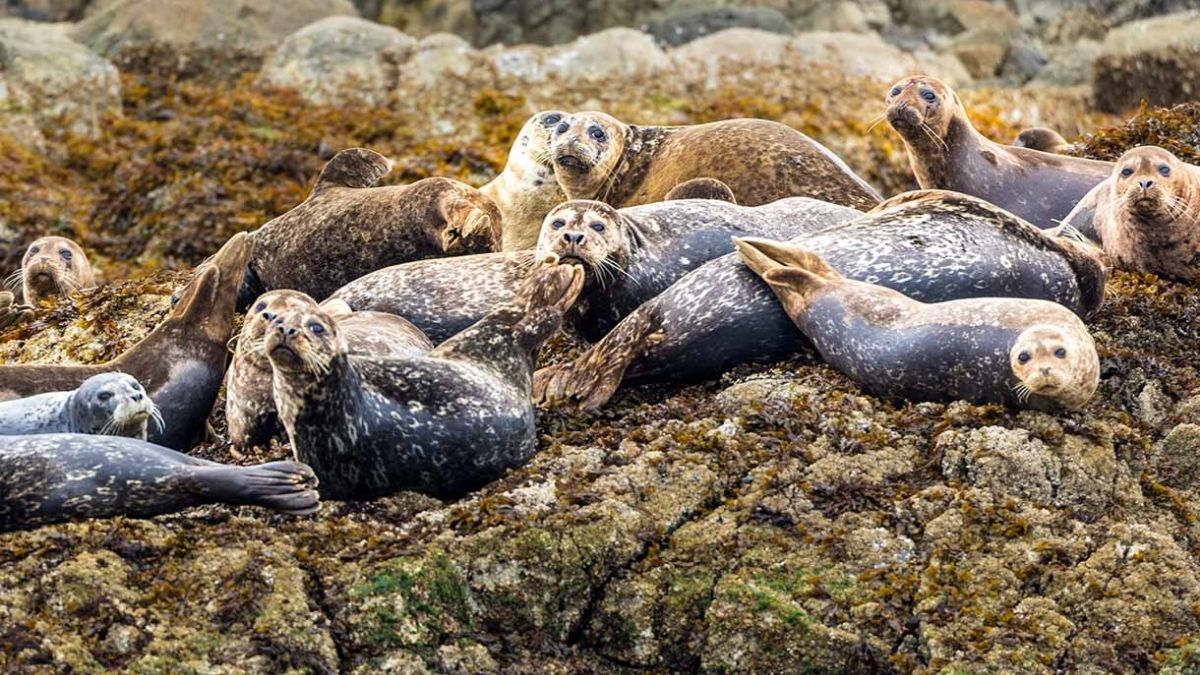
1156	60
216	23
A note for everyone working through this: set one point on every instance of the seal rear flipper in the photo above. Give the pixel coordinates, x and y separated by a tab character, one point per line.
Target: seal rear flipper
288	487
591	380
702	188
764	255
353	168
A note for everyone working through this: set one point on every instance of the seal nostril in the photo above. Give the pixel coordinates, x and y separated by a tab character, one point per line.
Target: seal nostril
136	397
1145	184
1046	370
268	316
574	238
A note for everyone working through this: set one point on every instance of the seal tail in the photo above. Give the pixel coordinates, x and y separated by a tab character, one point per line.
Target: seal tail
353	168
288	487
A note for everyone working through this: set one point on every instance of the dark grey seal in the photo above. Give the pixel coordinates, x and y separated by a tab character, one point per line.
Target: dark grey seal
51	478
112	404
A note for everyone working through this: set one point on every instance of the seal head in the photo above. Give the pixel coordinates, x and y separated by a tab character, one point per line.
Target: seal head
52	267
921	109
527	189
1050	362
587	148
591	234
112	404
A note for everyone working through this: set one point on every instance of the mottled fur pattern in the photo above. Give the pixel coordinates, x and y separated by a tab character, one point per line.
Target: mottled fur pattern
526	190
598	157
51	478
986	350
181	362
931	245
443	424
947	153
249	405
106	404
375	227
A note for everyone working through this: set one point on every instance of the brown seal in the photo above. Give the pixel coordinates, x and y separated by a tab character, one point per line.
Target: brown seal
181	362
598	157
947	153
54	266
702	188
249	406
346	228
1022	352
526	190
1147	214
1042	139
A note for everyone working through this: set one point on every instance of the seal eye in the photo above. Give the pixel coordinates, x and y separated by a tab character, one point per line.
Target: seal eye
929	96
66	254
552	119
316	328
1023	357
260	307
562	128
1164	170
1126	172
895	91
104	396
1060	353
558	224
597	134
597	226
33	249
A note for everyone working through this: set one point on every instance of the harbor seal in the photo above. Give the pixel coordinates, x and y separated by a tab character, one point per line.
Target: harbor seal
931	245
526	189
702	188
1041	139
1146	216
52	478
947	153
54	267
249	406
106	404
1026	353
636	253
596	156
375	227
180	363
442	424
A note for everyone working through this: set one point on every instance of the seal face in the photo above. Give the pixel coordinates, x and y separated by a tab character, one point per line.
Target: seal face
526	190
947	153
931	245
51	478
1021	352
53	267
1146	214
596	156
249	407
180	363
637	253
105	404
443	424
377	226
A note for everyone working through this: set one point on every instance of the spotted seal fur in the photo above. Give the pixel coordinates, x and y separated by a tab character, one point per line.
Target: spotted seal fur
931	245
108	404
526	189
1022	352
51	478
443	424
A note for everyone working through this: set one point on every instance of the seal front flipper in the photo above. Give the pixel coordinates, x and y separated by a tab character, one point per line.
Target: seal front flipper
471	221
288	487
12	313
590	381
353	168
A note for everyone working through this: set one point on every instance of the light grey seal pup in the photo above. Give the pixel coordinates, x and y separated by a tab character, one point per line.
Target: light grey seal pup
51	478
113	404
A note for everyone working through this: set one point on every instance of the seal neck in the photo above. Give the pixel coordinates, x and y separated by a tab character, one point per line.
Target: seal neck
641	143
933	159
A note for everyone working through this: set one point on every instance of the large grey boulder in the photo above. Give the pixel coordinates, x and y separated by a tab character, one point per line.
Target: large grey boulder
1156	60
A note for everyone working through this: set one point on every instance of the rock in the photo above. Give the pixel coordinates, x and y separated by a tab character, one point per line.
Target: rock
844	17
1022	62
687	26
855	54
239	24
612	55
1156	60
946	67
338	59
953	17
731	50
982	59
443	58
45	10
45	75
422	17
1176	459
1069	65
1073	25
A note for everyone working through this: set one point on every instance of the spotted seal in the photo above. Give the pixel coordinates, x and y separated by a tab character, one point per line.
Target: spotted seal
947	153
1146	215
596	156
443	424
931	245
51	478
376	227
1042	139
1021	352
526	189
54	266
630	255
106	404
249	407
181	362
